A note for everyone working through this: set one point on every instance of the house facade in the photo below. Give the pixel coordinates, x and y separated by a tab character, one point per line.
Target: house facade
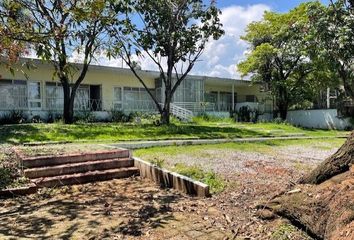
108	88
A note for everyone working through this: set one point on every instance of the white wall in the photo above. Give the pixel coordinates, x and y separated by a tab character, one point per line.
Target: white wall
321	119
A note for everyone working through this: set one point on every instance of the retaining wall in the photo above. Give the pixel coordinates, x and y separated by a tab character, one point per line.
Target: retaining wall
320	119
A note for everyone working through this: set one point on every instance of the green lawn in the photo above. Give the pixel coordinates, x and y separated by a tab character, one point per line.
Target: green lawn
166	156
154	153
111	132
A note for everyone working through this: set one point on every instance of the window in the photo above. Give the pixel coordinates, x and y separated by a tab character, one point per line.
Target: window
117	95
190	90
34	95
137	99
251	98
55	96
13	94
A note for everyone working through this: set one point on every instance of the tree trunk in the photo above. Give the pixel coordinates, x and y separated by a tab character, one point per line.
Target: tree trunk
165	115
68	112
334	165
282	108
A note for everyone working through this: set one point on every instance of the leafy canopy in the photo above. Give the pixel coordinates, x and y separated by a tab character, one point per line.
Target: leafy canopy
278	56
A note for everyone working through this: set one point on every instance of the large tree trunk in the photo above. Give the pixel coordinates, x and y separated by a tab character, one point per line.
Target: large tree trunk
165	115
334	165
282	108
68	111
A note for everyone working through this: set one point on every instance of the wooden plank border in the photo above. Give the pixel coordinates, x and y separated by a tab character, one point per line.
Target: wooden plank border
170	179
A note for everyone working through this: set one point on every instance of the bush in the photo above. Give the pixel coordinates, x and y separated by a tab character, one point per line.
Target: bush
13	117
85	117
246	114
119	116
53	117
204	117
37	119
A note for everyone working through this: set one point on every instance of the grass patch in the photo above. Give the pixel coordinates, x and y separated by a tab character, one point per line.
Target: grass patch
111	132
216	183
265	147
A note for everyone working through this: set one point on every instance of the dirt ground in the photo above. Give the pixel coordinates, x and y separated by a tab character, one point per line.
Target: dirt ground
136	208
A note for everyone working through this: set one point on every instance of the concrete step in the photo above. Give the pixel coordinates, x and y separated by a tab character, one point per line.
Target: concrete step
80	178
44	161
80	167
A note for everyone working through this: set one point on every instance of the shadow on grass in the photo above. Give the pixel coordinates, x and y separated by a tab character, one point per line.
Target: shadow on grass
99	210
117	132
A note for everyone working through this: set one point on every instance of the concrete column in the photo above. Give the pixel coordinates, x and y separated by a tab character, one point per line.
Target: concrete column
233	97
218	100
328	98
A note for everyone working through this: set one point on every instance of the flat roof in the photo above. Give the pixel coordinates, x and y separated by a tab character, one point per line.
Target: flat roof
208	79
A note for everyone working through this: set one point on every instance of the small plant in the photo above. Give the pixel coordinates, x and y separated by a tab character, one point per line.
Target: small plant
119	116
85	117
53	117
36	119
210	178
158	162
13	117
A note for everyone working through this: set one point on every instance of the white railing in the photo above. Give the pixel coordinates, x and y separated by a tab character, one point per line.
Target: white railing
197	107
182	113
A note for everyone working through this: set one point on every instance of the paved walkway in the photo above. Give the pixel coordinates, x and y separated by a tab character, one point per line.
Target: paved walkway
161	143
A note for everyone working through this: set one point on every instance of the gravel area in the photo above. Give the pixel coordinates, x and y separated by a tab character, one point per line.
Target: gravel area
136	209
229	163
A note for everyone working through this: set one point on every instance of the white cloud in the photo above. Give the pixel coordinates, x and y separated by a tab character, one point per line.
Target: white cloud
230	49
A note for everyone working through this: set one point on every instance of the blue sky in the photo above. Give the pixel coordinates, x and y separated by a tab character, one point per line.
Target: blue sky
221	57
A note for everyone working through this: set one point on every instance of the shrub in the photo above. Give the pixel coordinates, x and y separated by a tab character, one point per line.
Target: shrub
37	119
13	117
246	114
85	117
53	117
119	116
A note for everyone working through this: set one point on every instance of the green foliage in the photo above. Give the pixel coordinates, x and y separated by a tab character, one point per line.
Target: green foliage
246	114
112	132
170	33
85	117
279	57
60	30
216	183
119	116
13	117
158	162
204	117
332	36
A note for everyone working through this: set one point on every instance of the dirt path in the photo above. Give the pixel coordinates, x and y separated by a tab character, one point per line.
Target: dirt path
137	209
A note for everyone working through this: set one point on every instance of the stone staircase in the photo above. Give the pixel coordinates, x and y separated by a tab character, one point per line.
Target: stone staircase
52	171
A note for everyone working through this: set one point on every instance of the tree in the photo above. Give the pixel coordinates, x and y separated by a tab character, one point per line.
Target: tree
59	29
278	55
173	34
11	50
333	35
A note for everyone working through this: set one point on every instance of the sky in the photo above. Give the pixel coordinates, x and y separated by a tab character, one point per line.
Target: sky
220	57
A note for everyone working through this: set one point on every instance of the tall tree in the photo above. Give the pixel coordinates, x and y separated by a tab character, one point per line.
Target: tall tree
173	34
332	33
277	56
59	29
10	49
